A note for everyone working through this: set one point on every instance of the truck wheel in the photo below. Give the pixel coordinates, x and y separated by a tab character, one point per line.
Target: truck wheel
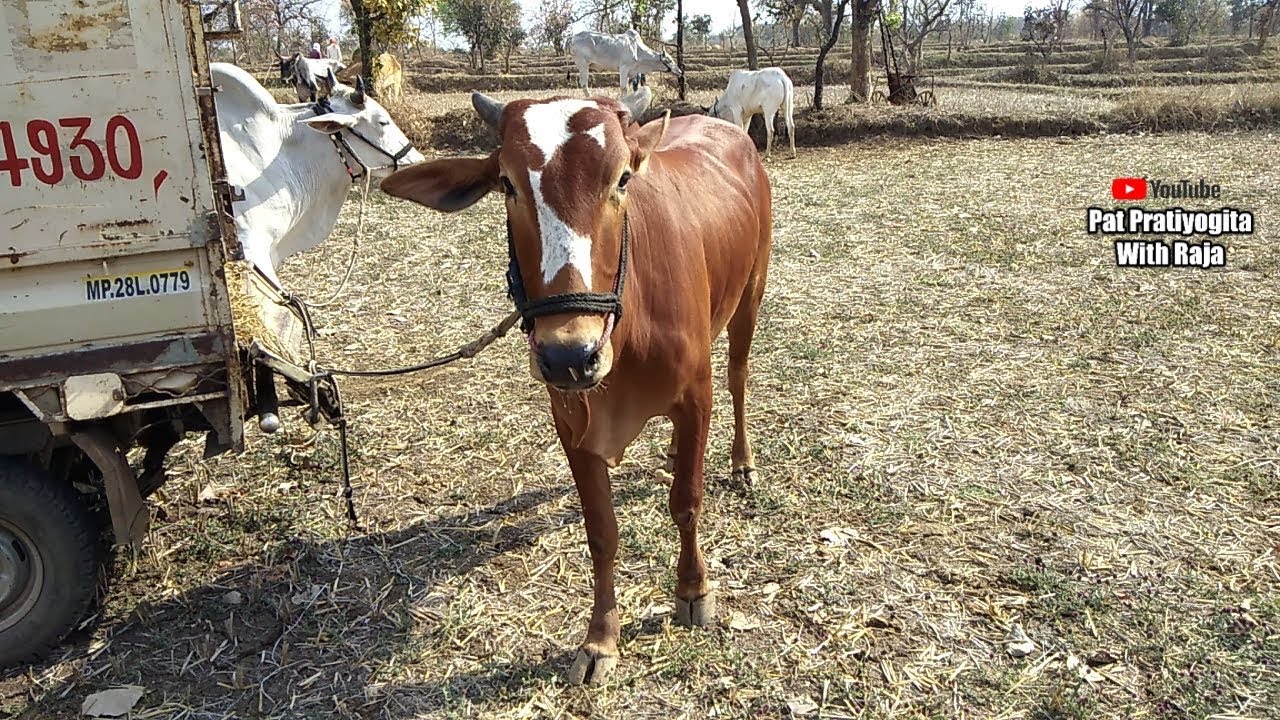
48	562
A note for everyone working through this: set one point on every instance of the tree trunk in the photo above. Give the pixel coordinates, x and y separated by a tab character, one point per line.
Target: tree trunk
364	35
748	35
680	82
822	54
862	15
1264	28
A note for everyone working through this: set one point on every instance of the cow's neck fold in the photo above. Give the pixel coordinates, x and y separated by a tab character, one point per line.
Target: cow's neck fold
318	183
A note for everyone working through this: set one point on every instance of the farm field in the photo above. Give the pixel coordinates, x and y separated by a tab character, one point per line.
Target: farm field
992	90
966	419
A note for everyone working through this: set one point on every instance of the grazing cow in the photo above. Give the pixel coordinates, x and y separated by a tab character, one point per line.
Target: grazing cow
309	78
388	77
291	161
763	92
625	53
631	249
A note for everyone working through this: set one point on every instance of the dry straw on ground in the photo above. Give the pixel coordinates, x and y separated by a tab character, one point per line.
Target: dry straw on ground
966	417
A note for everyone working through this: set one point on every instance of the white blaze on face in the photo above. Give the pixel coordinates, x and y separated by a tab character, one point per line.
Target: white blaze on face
561	246
548	127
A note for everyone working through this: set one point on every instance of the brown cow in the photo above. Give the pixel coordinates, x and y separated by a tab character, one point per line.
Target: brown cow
675	216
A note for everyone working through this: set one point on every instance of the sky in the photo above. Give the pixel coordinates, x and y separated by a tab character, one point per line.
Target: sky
724	13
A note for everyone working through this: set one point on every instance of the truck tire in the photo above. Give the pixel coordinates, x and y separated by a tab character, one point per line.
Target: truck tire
49	547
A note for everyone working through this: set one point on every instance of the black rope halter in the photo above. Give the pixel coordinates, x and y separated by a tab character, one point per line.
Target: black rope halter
322	107
583	302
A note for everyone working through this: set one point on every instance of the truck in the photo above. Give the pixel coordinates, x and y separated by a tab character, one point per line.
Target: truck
128	318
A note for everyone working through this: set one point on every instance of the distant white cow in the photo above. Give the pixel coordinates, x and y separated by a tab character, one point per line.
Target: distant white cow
291	160
763	92
308	77
625	53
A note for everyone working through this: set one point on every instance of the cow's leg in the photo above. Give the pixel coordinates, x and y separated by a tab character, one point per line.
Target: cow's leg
598	655
669	457
584	77
695	603
768	134
742	328
623	74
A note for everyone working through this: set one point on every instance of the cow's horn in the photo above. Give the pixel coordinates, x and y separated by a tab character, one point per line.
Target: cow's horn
358	96
489	110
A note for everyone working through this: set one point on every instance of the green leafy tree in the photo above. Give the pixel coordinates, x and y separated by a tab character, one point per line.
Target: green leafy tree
1182	16
384	24
698	27
486	25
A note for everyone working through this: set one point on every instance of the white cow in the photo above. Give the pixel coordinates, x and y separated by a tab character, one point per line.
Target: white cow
763	92
625	53
289	161
308	77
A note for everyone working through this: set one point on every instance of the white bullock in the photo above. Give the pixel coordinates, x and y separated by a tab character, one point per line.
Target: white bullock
625	53
289	161
752	92
308	77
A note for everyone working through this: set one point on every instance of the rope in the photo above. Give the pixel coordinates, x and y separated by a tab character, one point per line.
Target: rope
465	352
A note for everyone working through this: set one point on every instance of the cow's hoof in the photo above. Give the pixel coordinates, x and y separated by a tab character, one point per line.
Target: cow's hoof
699	612
591	667
747	476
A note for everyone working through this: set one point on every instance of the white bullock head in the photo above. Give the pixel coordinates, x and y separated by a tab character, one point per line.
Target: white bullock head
671	65
370	133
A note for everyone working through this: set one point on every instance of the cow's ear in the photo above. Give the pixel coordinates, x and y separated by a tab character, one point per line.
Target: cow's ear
644	140
445	185
330	123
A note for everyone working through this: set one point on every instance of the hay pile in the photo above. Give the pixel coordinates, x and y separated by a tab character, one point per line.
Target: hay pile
259	316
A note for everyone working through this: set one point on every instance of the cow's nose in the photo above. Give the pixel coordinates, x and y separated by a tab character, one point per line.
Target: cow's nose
569	366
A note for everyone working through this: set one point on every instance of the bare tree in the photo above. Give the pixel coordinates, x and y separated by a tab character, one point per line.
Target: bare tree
551	23
828	43
1125	15
275	26
748	36
1045	28
920	18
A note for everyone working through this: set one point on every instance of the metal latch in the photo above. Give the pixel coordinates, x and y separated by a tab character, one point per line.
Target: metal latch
223	185
208	91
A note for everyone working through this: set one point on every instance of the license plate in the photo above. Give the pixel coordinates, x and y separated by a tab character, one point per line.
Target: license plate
136	285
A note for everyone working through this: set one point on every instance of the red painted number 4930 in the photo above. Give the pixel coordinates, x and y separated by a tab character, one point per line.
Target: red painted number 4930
88	159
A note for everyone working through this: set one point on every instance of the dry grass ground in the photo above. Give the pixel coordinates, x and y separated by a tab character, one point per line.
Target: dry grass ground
966	417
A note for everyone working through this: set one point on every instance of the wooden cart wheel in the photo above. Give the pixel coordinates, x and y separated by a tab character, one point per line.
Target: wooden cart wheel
925	97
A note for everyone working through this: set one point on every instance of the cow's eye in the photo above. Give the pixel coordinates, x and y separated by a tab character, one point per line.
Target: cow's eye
507	187
622	181
384	123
